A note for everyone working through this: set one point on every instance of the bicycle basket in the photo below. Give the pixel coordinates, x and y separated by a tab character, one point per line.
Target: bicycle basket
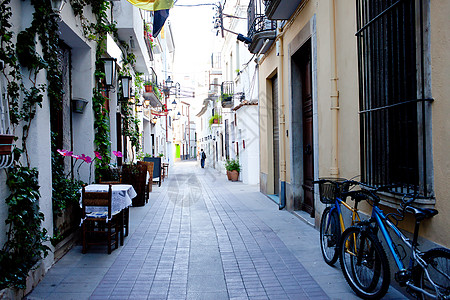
328	191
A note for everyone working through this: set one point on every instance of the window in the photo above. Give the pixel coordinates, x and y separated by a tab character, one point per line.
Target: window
4	112
394	106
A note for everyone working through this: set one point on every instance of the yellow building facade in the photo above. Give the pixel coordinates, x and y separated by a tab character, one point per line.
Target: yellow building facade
313	125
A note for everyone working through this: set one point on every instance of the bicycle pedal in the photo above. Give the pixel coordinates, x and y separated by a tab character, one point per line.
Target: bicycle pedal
402	277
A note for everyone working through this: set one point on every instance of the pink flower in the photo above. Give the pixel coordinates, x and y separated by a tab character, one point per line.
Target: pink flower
97	155
65	152
117	153
88	159
77	156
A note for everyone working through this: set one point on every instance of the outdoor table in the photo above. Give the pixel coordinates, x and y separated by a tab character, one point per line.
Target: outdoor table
121	196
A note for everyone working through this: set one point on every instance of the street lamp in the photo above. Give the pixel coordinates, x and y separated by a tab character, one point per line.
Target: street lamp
57	5
169	82
110	71
174	104
126	80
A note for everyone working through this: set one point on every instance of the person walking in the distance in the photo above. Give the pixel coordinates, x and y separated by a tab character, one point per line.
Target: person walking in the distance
202	158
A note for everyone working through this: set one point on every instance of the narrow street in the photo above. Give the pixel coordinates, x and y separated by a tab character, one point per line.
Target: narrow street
203	237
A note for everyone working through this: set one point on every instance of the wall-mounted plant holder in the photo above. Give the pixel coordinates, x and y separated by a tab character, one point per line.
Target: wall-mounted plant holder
6	144
78	105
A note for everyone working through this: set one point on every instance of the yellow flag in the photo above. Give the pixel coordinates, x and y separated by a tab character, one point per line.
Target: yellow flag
152	4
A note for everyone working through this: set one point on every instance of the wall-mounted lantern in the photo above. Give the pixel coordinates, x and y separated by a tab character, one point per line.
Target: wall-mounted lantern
174	105
154	120
126	84
57	5
78	105
146	103
110	71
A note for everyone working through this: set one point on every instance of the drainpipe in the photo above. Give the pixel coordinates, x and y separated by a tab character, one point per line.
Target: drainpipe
280	54
334	94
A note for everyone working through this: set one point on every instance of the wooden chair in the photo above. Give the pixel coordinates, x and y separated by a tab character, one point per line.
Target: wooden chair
99	228
124	215
136	175
150	178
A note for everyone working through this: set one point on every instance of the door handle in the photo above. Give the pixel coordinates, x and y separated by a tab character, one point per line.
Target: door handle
308	188
308	149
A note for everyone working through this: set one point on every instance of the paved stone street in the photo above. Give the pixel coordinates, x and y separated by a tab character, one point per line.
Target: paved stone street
203	237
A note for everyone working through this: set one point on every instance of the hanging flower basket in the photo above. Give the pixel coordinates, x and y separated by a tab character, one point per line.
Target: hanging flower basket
6	144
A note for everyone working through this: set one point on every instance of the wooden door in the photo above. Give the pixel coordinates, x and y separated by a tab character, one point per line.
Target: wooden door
276	136
308	154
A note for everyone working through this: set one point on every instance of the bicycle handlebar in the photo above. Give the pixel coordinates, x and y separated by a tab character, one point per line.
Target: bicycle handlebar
334	181
370	192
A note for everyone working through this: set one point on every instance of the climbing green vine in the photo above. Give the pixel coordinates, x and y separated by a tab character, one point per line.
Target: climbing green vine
98	32
25	237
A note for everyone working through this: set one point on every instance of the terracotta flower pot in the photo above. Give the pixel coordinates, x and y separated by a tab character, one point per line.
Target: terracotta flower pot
229	175
148	88
6	143
234	175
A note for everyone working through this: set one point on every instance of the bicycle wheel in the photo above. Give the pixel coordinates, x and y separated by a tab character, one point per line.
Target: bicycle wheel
364	263
438	261
330	234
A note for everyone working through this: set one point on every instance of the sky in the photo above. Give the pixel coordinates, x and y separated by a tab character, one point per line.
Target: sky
194	38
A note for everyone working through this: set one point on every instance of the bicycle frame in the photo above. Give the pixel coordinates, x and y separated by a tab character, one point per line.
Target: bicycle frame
381	219
337	207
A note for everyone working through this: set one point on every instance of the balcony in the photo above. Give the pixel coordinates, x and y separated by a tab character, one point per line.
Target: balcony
130	29
281	9
149	41
227	93
260	28
152	93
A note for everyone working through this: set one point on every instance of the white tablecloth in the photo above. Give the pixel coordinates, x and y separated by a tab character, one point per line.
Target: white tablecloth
121	196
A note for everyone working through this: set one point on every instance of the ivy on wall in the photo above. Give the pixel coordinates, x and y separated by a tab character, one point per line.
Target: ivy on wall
25	237
98	32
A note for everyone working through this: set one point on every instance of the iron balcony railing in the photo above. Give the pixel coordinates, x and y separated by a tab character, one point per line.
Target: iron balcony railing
257	20
149	41
227	92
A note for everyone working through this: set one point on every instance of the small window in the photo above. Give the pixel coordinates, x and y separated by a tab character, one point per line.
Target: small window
4	110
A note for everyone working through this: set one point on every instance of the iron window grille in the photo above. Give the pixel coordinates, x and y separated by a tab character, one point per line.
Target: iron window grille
394	107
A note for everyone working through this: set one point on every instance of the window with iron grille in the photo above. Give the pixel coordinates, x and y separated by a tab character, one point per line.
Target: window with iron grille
394	105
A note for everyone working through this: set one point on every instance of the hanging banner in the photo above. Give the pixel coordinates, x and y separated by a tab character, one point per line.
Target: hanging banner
159	19
153	5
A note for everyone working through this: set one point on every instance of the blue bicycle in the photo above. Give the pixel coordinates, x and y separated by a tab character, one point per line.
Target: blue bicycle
365	264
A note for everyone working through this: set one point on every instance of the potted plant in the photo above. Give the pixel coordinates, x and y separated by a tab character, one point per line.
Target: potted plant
233	168
148	86
226	97
6	143
216	119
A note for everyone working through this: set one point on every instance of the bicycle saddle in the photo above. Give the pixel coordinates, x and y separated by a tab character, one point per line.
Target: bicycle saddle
357	196
421	213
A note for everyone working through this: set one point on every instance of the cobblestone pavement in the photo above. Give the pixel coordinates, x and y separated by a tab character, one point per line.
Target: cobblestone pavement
203	237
